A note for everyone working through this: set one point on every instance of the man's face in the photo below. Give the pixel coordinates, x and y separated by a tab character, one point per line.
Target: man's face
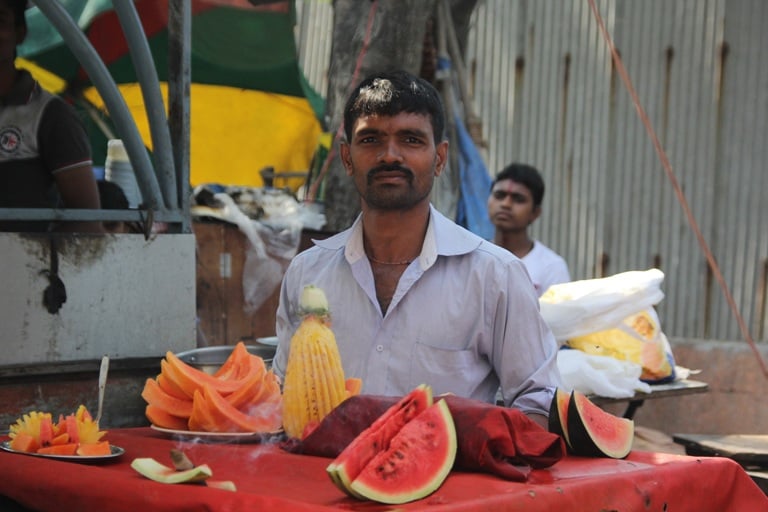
393	160
510	206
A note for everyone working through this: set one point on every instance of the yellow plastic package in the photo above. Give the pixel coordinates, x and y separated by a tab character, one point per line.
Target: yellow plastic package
638	339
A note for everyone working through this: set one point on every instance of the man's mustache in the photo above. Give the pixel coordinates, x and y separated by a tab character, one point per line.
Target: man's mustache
390	168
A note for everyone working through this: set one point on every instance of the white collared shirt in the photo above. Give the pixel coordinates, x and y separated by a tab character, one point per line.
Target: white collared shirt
464	318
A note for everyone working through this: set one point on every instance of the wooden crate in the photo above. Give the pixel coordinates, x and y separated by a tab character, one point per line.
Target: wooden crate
220	304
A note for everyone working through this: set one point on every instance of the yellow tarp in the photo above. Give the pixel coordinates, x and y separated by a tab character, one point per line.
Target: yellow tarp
234	132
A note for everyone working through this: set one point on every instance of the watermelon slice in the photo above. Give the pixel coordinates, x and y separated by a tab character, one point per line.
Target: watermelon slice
376	438
595	432
417	462
558	415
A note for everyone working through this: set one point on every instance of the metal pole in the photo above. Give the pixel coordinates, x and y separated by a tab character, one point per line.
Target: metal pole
146	73
179	80
97	71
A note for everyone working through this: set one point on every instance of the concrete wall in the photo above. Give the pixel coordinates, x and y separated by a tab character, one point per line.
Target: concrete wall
125	297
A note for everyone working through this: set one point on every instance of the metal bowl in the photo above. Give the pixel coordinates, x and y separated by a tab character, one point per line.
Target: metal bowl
210	359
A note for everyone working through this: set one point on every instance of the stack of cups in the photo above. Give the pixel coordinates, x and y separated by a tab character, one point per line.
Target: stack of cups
118	169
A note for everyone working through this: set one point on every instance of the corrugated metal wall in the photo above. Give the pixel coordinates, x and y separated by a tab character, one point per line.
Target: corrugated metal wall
547	92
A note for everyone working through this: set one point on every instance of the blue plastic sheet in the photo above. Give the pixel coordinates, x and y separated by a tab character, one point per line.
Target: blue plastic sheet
475	182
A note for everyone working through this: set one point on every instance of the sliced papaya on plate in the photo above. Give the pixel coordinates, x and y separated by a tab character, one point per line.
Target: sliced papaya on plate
189	379
97	449
169	386
58	449
229	419
251	388
201	418
154	395
24	442
161	418
232	368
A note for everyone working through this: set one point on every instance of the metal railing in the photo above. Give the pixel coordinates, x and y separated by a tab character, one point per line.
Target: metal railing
163	189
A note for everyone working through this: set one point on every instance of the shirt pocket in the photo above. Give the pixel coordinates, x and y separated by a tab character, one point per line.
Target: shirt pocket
445	370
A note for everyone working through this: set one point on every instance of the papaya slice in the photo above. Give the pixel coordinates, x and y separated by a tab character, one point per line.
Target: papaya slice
268	392
154	395
98	448
251	389
62	438
59	449
160	418
24	442
170	387
232	366
190	379
353	385
229	419
201	418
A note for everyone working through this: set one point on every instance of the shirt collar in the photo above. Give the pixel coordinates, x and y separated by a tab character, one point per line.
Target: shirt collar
443	238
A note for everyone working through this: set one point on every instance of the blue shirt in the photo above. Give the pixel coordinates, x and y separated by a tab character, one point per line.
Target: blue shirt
464	318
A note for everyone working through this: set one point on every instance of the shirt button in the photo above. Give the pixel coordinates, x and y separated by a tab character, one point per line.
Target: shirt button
379	348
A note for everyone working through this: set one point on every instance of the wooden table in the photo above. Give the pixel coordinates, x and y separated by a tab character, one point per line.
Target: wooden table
751	451
676	388
268	478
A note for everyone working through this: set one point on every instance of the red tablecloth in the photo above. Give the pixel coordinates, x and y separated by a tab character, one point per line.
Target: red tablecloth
269	479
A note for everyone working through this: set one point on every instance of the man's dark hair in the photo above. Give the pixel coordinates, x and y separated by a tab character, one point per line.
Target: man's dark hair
526	175
391	93
18	7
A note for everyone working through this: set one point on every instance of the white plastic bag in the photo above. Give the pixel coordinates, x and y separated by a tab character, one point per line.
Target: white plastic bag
591	305
599	375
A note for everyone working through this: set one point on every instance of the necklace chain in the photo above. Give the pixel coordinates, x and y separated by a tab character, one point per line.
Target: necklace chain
405	262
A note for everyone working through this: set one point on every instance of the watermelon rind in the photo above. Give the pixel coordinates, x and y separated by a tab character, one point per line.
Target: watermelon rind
558	415
418	460
158	472
594	432
376	438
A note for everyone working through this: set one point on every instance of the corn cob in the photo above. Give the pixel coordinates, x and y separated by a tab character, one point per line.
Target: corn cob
314	378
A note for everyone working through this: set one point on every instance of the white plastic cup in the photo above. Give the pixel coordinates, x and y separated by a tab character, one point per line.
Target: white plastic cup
118	169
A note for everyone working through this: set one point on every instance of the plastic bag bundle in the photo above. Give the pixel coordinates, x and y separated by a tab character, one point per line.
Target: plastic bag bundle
637	339
600	375
613	317
583	307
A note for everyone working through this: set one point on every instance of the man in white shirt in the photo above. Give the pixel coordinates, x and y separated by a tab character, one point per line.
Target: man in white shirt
414	297
513	205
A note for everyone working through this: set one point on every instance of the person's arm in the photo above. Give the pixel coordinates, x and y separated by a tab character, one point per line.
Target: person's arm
66	151
527	363
77	188
540	420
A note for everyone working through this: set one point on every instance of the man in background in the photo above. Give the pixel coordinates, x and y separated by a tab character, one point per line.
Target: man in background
513	205
45	154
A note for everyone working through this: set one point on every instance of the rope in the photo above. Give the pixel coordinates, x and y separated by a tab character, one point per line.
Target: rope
676	186
353	82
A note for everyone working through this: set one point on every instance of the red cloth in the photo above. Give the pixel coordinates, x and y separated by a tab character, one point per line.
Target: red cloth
491	439
268	478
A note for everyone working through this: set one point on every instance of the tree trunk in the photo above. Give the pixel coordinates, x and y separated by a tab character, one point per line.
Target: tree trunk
396	39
